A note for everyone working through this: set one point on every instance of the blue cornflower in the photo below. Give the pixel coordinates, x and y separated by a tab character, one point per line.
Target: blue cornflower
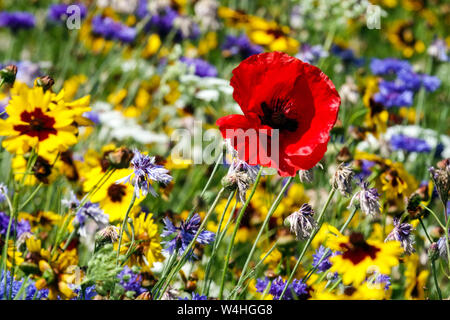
297	286
89	293
22	225
389	66
311	54
162	22
383	278
240	45
201	67
325	264
438	49
394	94
112	30
59	12
195	296
3	192
93	116
130	281
261	284
184	234
409	144
14	286
431	83
89	211
145	170
347	55
17	20
365	167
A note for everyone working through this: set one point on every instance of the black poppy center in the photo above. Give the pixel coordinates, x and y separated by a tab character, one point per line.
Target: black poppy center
38	124
358	249
275	116
116	192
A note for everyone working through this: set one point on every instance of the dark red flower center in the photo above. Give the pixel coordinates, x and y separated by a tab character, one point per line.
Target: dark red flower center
38	124
358	249
275	116
116	192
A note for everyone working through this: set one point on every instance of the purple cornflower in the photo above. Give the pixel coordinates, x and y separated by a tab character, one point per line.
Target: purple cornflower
89	293
389	66
93	116
22	225
325	264
240	45
162	22
297	287
112	30
438	49
184	234
409	144
17	20
402	232
131	281
347	56
261	284
60	12
394	94
3	192
88	212
302	222
379	278
145	170
364	169
430	83
195	296
201	67
311	54
367	199
13	286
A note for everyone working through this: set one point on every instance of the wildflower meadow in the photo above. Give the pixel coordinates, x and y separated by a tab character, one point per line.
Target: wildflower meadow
224	150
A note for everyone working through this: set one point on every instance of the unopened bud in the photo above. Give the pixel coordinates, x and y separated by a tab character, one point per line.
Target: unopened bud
46	82
120	159
145	296
8	74
433	251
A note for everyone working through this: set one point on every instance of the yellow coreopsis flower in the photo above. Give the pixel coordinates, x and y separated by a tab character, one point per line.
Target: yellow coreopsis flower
147	248
415	279
114	198
35	121
401	35
359	257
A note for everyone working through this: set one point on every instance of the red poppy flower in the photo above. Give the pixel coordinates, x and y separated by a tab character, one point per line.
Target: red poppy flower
277	91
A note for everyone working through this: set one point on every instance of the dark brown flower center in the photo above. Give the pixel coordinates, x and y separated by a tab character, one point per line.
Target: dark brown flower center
116	192
38	124
358	249
276	118
42	169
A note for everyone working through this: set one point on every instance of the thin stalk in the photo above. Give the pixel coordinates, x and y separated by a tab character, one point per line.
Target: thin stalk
261	230
125	219
236	227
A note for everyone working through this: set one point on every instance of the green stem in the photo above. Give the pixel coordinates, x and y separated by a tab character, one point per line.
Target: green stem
125	219
236	227
263	227
180	263
310	239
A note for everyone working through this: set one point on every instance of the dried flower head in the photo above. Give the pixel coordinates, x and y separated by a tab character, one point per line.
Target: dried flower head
402	232
302	222
342	179
367	199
